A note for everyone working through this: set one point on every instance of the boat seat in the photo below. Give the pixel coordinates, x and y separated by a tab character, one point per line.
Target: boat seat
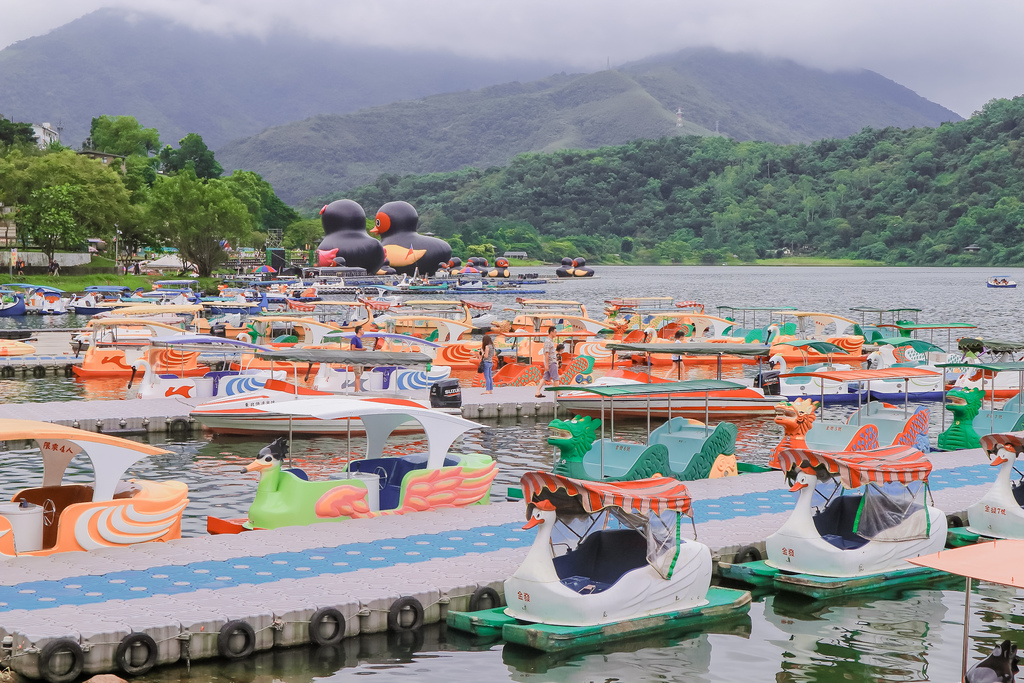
584	586
392	473
835	523
603	557
1018	492
301	474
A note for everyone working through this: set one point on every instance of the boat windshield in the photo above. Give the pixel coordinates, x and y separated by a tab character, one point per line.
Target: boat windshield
889	511
616	540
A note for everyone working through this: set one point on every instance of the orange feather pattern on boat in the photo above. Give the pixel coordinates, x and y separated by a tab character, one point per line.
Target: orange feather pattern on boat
344	501
447	487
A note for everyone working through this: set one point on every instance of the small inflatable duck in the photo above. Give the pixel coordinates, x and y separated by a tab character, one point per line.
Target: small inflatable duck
345	239
500	268
406	250
386	269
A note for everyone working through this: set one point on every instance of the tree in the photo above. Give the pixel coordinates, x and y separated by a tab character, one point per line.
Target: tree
122	135
101	199
303	234
12	133
268	212
192	153
50	218
194	216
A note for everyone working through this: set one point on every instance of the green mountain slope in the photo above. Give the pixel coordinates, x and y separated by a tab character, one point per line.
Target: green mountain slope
179	80
745	96
915	196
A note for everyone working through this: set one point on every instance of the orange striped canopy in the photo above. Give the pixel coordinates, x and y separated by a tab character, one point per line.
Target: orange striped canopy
881	465
297	306
1011	440
376	305
478	305
642	496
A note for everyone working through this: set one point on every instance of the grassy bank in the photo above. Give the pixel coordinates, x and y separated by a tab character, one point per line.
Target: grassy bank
77	283
815	261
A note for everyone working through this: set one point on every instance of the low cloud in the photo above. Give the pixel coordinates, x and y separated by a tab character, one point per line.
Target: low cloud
960	55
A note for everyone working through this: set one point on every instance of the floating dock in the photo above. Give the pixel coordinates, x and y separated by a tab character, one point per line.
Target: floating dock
128	609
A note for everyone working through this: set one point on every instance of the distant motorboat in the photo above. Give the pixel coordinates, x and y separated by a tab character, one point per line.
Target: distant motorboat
1000	281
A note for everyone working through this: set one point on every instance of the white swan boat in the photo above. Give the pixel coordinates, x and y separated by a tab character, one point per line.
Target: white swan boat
609	561
858	518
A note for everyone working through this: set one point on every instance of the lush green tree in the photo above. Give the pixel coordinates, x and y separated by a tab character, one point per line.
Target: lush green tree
304	234
101	198
268	212
195	216
13	133
192	153
51	218
122	135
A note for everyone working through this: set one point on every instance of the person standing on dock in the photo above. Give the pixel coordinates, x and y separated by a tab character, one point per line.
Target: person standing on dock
356	342
487	362
550	353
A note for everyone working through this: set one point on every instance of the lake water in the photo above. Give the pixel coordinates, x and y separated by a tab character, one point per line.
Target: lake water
905	636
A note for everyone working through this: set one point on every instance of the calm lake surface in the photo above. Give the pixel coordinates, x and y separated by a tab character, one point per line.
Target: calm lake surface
913	635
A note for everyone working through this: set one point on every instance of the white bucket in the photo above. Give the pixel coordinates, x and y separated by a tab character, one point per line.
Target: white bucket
27	523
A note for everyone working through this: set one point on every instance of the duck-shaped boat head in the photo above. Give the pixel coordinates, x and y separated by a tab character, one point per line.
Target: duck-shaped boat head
999	667
537	566
344	224
396	224
269	460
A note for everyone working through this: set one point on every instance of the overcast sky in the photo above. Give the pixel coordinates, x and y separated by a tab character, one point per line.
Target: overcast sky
958	53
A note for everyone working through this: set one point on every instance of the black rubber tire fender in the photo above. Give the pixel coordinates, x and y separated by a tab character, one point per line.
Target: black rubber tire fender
228	631
69	370
484	593
38	371
395	614
316	635
954	521
122	657
55	648
748	553
7	371
179	426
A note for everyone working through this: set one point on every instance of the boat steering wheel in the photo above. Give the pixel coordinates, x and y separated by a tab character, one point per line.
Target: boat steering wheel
382	477
49	510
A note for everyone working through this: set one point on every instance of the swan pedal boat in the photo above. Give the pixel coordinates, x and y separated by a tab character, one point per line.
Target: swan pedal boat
858	518
906	352
609	561
999	513
372	486
61	516
799	383
246	414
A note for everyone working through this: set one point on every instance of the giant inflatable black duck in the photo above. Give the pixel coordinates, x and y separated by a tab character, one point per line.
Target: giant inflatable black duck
574	268
406	249
345	239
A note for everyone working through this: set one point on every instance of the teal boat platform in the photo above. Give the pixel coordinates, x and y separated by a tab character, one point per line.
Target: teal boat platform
723	603
759	574
959	536
485	622
751	573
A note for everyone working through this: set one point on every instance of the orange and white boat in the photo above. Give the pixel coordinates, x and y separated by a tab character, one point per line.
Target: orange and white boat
9	347
437	320
820	327
117	343
60	517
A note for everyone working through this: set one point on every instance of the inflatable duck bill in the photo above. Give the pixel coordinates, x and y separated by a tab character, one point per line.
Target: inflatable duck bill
407	251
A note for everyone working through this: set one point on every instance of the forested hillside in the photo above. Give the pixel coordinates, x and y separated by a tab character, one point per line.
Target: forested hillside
904	197
742	96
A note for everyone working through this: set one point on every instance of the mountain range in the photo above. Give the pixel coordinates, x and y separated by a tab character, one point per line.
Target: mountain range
316	118
693	92
179	80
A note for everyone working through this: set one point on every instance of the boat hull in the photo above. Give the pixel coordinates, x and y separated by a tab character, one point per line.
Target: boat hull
722	603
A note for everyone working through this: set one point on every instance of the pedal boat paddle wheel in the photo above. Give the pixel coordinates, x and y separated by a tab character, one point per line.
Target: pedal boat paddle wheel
61	516
858	518
609	561
999	513
372	486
